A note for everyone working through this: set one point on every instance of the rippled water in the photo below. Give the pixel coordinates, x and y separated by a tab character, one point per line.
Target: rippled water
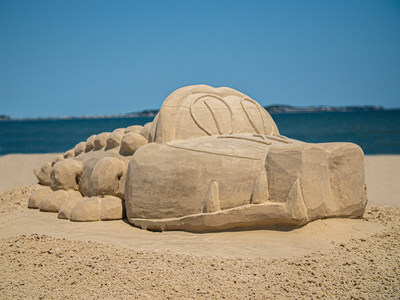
377	132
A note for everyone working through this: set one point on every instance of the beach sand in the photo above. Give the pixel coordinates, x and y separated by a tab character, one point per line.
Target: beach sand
17	169
44	257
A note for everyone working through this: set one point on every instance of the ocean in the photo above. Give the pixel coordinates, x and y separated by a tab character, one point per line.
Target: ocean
377	132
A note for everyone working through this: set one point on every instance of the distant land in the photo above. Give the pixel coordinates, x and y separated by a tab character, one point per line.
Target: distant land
284	109
272	109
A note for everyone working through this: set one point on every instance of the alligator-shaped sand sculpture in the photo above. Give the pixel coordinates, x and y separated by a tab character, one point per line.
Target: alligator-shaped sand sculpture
211	160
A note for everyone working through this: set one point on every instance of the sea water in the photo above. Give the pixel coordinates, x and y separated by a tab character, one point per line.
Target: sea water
377	132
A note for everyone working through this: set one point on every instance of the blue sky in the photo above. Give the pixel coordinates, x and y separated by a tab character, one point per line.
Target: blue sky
60	58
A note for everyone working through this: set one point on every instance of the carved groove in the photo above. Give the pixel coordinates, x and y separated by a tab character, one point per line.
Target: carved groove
259	135
209	152
243	138
192	114
271	137
247	114
281	136
213	115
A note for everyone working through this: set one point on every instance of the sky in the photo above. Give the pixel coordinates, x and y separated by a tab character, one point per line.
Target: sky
73	58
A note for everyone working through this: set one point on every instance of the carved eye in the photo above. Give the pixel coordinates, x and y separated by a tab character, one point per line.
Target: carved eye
212	114
254	114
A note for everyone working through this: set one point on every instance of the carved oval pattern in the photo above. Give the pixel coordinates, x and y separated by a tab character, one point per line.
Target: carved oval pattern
254	114
212	115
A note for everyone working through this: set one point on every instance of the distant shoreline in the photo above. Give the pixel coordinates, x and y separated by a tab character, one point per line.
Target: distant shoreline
272	109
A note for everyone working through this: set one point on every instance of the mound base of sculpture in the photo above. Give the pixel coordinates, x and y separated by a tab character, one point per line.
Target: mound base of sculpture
211	160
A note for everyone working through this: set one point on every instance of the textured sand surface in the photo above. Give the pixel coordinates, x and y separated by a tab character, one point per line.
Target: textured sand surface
44	257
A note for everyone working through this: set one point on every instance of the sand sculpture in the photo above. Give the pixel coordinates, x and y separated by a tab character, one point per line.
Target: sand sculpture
211	160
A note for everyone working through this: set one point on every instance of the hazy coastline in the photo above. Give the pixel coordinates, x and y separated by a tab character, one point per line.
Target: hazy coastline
272	109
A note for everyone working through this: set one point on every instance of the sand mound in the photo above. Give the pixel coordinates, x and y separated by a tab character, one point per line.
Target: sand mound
40	266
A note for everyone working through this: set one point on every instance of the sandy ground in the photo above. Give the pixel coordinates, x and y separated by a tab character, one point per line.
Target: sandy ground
17	169
44	257
382	175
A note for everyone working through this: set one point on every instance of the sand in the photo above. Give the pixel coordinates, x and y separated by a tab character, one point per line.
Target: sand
383	179
17	169
44	257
